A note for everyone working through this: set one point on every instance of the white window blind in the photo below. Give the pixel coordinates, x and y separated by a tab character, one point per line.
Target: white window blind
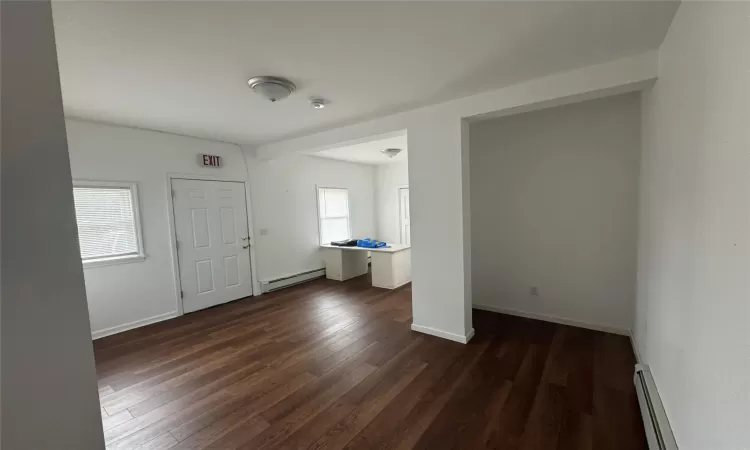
333	211
107	221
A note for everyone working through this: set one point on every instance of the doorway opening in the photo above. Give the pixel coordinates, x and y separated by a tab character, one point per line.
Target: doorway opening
403	214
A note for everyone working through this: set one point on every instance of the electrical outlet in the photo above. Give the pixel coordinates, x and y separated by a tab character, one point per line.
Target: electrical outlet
263	231
533	290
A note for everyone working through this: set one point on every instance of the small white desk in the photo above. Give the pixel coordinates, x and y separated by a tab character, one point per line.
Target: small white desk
391	267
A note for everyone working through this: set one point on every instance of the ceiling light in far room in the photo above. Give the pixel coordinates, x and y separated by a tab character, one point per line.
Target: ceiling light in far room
390	152
318	103
271	88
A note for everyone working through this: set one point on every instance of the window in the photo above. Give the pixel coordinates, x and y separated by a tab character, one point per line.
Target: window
108	223
333	212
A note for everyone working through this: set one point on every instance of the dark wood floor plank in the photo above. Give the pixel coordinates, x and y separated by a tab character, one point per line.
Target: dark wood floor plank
466	403
241	434
614	361
329	365
616	423
194	327
545	419
208	380
512	419
289	423
254	400
322	385
183	362
421	416
337	425
165	383
576	431
240	425
511	354
438	359
556	368
490	424
142	429
579	389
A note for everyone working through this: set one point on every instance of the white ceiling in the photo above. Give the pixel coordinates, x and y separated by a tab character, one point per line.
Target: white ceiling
368	152
182	66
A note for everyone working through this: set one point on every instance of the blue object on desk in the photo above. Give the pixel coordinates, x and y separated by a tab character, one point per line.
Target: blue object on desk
370	243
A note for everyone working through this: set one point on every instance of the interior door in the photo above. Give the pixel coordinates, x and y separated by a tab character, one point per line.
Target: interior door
213	246
403	207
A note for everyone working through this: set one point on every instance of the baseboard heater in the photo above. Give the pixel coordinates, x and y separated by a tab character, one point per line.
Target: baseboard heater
658	432
291	280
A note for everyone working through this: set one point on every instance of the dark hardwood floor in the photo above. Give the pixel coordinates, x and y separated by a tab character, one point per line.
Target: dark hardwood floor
335	365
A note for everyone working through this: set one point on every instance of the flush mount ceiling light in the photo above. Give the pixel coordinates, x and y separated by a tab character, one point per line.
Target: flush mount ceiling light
318	103
271	88
390	152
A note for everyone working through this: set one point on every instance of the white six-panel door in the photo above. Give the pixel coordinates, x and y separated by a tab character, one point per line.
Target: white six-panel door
405	220
212	242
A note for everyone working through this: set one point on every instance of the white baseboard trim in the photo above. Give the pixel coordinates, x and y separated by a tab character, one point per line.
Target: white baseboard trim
443	334
635	347
389	287
469	335
553	319
136	324
289	280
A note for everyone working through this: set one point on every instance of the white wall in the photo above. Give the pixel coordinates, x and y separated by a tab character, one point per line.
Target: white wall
284	202
693	304
388	179
554	205
118	153
438	178
49	395
440	285
127	295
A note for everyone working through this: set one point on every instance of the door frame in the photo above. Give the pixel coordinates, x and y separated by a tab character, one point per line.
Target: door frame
398	202
254	286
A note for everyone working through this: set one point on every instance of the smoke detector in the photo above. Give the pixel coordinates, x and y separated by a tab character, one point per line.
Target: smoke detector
390	152
317	103
271	88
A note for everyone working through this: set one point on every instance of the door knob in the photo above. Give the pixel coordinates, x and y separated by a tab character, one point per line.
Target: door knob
246	246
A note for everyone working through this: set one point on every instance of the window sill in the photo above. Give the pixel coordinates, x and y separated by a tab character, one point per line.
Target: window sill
113	261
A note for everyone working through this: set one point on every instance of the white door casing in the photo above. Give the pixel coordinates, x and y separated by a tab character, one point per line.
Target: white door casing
211	228
404	218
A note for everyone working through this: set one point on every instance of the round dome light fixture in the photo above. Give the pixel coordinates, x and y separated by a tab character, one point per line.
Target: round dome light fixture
390	152
318	103
271	88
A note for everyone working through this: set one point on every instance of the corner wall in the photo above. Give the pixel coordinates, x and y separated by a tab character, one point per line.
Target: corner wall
124	296
693	309
49	394
554	199
282	200
285	206
438	181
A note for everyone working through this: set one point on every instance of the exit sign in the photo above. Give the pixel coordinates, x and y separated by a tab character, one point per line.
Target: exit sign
209	160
